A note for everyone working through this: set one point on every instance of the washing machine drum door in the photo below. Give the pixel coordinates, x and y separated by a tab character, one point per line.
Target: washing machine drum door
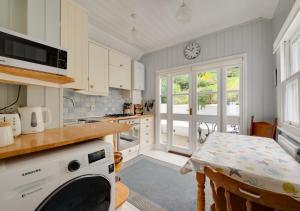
90	193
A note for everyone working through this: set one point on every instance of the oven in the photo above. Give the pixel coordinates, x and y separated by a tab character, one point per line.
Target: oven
130	138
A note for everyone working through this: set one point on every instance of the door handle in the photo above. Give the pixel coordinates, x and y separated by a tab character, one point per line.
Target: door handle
191	111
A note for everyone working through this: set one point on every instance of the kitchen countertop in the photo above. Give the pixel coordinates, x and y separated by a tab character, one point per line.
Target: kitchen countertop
105	119
53	138
68	122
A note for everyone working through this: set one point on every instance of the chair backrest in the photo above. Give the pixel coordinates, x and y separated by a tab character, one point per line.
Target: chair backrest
231	195
263	129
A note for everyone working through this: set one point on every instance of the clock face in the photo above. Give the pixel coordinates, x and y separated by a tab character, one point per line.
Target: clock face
192	51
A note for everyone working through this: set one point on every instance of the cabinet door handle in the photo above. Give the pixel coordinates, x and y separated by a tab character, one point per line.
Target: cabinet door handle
121	65
92	86
121	86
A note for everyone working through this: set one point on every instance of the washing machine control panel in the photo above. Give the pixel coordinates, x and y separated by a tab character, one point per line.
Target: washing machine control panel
95	156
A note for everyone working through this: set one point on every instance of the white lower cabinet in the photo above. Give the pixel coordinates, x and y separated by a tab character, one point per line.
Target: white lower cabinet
130	153
146	134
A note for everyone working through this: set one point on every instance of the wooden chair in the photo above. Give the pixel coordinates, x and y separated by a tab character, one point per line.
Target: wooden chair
232	195
263	129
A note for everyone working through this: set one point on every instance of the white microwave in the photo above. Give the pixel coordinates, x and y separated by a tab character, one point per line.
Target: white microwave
18	50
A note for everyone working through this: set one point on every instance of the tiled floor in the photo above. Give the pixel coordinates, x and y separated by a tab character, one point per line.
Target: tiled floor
167	157
127	207
163	156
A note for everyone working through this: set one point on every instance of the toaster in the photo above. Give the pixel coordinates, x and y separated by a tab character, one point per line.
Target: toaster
14	120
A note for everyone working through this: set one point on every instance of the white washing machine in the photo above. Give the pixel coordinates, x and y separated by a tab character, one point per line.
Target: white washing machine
74	178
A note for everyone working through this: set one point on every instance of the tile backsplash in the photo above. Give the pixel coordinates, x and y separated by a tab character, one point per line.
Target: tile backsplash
92	106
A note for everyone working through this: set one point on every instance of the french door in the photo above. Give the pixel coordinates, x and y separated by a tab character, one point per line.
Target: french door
196	101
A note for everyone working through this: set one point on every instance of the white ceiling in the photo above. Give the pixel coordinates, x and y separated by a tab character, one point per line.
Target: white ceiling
156	24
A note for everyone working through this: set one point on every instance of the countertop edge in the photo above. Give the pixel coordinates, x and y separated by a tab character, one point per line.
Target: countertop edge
15	150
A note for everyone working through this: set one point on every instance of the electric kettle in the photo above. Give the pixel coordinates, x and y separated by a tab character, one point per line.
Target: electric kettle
32	120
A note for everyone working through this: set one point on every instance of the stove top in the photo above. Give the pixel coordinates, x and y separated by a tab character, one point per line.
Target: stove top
118	115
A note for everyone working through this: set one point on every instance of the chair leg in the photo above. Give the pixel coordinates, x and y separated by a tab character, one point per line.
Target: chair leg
213	207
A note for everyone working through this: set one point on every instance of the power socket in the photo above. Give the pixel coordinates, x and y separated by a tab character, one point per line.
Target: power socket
93	107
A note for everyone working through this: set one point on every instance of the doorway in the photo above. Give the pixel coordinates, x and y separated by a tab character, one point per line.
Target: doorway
197	100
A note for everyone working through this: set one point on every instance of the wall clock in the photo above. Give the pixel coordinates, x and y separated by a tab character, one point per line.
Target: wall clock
192	50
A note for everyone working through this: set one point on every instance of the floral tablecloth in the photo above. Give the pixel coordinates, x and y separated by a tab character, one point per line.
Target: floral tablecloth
260	162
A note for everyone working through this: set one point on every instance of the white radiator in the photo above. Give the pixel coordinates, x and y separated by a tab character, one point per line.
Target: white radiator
290	147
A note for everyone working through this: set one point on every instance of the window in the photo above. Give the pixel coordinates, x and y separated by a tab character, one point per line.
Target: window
292	102
295	57
290	79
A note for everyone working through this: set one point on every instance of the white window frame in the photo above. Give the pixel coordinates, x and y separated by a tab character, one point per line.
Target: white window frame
286	72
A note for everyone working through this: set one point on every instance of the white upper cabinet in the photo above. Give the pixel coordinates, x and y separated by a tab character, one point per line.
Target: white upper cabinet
74	37
138	76
119	70
13	15
119	60
98	69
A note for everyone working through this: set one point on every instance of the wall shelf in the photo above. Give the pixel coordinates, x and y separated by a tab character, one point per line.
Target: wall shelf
16	75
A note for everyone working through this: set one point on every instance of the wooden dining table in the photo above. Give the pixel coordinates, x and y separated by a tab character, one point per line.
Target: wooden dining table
257	161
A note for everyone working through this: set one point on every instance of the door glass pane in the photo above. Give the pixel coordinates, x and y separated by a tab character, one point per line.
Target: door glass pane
181	104
181	94
207	81
207	97
181	134
203	129
233	90
207	104
163	94
163	131
233	104
233	79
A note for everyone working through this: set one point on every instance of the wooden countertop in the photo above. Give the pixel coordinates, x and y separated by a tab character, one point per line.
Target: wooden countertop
104	119
53	138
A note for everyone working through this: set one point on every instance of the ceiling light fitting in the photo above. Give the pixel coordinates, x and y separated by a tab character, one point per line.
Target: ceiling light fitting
184	13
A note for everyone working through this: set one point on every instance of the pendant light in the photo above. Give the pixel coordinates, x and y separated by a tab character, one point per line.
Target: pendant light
184	13
133	31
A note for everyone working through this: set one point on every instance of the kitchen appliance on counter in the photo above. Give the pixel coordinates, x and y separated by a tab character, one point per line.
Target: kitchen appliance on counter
127	108
32	120
18	50
75	177
138	109
14	120
6	134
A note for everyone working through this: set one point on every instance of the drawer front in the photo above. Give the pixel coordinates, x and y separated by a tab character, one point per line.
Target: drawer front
147	126
146	138
126	152
147	120
147	133
118	60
